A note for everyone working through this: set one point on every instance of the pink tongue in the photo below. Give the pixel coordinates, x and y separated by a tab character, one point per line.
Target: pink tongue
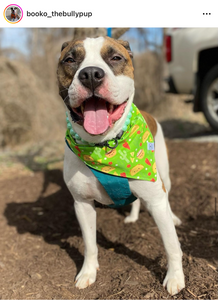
95	116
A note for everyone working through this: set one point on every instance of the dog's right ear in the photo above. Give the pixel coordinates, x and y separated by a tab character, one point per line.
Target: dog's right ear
65	44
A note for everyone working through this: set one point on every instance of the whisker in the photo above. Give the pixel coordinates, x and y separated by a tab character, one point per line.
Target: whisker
65	98
64	90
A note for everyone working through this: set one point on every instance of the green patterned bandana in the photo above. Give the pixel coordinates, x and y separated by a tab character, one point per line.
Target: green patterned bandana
133	157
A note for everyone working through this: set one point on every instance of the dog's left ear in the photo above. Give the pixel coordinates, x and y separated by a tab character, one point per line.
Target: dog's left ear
65	44
126	45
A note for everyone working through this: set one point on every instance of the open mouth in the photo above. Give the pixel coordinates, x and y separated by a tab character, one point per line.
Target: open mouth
97	115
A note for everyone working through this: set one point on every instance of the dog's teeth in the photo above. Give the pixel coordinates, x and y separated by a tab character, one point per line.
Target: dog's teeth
111	107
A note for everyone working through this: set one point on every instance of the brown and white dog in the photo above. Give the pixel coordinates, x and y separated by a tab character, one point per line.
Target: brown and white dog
96	82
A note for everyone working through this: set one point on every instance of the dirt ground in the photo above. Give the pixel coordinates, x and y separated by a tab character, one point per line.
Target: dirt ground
41	248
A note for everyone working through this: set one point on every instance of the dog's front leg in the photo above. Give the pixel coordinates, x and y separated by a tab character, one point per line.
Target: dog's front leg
155	197
86	215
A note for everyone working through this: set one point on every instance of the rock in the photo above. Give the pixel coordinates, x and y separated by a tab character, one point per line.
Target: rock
35	276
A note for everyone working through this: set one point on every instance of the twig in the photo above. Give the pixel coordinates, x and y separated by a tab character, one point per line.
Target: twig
116	293
30	294
192	294
202	295
127	279
212	267
155	227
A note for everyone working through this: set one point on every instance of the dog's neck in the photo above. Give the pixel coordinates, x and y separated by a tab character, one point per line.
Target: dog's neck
111	134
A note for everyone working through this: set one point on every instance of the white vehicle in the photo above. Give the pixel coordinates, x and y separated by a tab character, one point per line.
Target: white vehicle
192	57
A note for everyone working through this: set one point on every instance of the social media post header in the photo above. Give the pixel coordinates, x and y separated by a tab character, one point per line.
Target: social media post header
141	13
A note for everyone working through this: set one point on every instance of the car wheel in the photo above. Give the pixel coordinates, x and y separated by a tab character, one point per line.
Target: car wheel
209	97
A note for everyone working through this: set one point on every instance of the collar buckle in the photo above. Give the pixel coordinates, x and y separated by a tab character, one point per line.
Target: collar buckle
115	140
112	147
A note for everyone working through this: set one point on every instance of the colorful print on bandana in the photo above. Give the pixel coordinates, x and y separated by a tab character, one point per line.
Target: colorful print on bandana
134	156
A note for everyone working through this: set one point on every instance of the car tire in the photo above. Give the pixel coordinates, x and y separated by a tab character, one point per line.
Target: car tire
209	97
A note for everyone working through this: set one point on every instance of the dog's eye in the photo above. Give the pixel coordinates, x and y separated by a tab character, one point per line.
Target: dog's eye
69	60
116	58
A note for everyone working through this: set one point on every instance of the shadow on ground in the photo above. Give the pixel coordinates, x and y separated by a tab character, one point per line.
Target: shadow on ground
178	128
53	218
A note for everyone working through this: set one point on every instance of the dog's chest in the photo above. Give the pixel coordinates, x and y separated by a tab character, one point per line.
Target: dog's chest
81	181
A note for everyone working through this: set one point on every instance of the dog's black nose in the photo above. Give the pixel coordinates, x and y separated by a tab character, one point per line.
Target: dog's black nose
91	77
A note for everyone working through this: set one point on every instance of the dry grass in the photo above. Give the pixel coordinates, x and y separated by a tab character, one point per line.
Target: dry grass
29	112
148	80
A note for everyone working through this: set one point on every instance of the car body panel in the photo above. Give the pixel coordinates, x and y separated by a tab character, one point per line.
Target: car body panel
187	44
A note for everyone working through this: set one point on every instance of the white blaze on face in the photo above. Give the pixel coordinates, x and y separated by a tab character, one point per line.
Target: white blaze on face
77	92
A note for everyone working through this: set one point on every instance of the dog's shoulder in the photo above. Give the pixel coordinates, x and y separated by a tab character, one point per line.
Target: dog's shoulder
152	124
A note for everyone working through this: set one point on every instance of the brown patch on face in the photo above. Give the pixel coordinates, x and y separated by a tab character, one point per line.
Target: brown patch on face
72	55
152	124
163	187
117	55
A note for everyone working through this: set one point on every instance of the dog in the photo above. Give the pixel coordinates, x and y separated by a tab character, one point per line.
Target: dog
13	15
96	83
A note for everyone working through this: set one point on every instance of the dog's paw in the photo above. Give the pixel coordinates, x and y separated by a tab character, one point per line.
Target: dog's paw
85	280
130	219
86	277
174	283
176	220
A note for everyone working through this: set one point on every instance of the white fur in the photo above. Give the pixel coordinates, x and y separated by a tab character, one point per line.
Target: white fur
134	213
85	188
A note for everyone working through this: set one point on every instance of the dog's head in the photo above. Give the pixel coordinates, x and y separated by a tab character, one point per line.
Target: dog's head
96	82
